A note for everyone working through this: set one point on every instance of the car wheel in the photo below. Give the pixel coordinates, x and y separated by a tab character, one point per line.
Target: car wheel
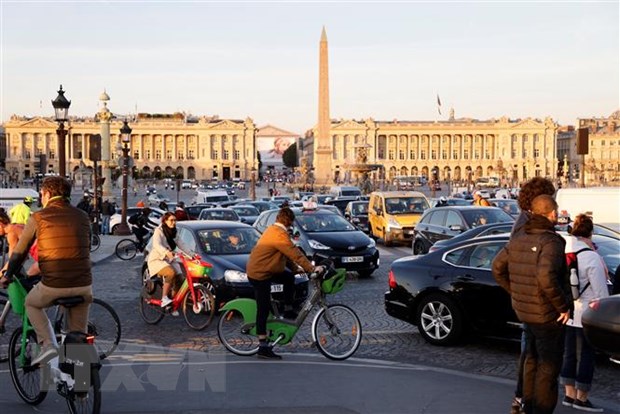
114	227
439	320
418	248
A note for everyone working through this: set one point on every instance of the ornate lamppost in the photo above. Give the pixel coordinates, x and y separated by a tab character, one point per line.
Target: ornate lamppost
253	184
123	228
61	110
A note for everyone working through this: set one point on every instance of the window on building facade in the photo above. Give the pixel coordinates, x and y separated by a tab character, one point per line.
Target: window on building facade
236	154
444	155
487	154
147	154
190	154
423	154
524	154
401	154
455	154
168	154
465	154
180	155
51	155
225	154
476	154
602	142
536	153
214	154
158	154
433	154
381	154
136	155
391	154
412	154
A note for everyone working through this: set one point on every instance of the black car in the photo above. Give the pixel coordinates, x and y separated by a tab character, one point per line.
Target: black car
480	231
262	205
323	234
451	291
601	325
341	203
194	210
356	212
210	240
441	223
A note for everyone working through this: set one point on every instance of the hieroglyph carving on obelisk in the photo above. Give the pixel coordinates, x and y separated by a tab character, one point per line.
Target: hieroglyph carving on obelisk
322	144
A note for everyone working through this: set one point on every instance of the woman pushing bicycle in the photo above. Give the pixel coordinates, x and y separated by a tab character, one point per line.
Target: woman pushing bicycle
266	264
161	256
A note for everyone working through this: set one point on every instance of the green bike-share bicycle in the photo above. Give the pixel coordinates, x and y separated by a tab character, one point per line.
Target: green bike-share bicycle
74	372
336	329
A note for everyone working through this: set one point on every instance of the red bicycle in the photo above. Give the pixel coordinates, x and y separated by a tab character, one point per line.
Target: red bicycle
194	298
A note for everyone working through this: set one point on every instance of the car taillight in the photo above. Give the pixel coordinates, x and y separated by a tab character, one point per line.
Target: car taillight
391	280
594	305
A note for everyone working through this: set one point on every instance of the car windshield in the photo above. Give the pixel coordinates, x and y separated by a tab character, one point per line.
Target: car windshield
405	205
229	241
323	223
486	215
246	211
360	208
509	206
218	215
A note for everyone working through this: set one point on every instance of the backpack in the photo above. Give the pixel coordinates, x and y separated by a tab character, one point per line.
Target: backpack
573	271
133	219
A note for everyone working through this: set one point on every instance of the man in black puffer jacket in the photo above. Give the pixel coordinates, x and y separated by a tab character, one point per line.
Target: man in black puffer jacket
532	269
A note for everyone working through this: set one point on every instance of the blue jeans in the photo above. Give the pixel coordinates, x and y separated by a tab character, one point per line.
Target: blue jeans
578	367
105	224
544	348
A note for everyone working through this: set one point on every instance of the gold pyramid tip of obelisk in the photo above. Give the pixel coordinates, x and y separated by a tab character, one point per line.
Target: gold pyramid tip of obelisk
323	35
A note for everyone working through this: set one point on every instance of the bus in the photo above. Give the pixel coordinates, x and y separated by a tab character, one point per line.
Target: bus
408	182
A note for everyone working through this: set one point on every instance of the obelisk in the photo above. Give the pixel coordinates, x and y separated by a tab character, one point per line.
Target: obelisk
323	173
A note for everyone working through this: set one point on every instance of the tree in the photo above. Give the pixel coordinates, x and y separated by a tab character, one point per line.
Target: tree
289	158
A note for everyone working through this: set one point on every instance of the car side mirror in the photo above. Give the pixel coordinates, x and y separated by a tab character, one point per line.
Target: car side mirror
456	227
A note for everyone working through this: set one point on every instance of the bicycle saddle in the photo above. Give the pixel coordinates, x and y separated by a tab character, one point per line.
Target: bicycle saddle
69	301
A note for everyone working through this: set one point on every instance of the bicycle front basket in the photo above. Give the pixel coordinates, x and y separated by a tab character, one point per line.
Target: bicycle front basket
17	296
334	283
197	269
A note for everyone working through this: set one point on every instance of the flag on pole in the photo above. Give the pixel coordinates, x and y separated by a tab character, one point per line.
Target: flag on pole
438	104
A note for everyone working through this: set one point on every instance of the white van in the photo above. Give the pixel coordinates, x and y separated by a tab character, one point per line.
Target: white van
215	197
603	203
343	191
12	196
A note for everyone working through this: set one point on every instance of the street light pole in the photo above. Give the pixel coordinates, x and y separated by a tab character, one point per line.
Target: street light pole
61	110
253	184
123	228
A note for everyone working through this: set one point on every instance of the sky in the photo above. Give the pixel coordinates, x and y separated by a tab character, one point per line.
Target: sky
387	60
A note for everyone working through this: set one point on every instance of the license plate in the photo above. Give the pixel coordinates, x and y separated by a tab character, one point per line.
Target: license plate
353	259
277	288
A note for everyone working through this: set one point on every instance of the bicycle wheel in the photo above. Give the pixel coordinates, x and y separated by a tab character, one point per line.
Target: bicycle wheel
28	380
337	331
151	314
199	313
86	402
126	249
95	242
105	325
11	322
234	334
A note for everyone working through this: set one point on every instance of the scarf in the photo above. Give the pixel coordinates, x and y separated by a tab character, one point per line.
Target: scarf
170	233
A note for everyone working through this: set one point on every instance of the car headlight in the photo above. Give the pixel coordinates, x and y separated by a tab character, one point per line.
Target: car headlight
393	223
371	244
235	276
316	245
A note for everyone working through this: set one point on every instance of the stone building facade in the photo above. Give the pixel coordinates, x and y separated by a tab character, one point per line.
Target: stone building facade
173	145
457	149
602	163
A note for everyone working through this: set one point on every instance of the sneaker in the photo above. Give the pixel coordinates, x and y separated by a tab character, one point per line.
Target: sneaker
568	401
47	352
174	313
165	302
586	406
516	406
266	352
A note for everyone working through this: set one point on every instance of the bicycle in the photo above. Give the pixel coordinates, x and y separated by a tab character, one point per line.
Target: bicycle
193	297
95	242
127	249
103	323
333	326
74	372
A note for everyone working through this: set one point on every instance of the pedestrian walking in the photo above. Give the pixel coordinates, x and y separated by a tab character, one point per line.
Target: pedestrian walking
532	269
578	365
107	210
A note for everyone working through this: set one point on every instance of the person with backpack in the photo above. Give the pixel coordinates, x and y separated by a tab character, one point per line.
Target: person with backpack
591	283
142	225
107	210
